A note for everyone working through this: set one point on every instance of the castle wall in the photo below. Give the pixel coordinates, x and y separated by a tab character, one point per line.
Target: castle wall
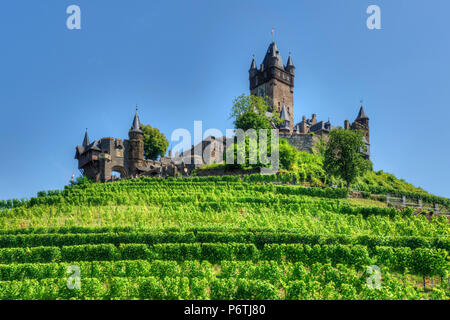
303	142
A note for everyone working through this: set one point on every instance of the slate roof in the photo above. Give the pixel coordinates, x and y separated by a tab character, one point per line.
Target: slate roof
93	146
86	139
289	62
283	114
273	57
321	125
136	127
362	114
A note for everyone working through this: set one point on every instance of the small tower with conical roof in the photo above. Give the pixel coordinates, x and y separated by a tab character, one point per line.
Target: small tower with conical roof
253	70
290	66
285	120
362	123
135	146
276	81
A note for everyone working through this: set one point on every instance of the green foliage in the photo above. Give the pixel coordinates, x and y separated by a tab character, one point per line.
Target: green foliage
252	120
250	237
155	142
250	112
343	156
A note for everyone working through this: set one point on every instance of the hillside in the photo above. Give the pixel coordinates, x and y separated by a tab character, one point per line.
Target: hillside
221	238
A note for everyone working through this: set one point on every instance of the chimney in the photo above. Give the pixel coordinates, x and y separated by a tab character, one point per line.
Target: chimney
303	128
314	119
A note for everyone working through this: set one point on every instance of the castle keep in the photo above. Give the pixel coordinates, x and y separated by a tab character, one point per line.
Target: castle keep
275	81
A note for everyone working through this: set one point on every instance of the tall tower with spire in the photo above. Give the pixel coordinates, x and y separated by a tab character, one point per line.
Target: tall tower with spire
275	81
136	146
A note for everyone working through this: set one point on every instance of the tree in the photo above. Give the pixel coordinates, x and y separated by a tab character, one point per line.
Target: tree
252	120
155	143
320	147
249	112
288	155
343	155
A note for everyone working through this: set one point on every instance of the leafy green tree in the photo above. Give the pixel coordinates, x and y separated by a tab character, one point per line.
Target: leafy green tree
252	120
249	112
288	155
343	156
155	143
320	147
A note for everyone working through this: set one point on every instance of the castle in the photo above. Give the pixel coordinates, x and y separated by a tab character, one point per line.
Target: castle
99	159
273	81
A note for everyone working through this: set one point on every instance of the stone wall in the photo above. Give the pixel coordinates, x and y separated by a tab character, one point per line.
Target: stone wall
303	142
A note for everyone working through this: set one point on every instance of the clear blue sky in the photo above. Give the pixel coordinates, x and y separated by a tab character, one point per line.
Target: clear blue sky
182	61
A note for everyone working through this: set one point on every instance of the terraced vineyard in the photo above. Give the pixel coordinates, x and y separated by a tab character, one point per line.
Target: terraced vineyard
218	238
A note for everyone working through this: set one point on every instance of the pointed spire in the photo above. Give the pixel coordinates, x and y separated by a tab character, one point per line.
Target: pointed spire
136	127
86	139
362	114
283	114
289	62
253	66
273	57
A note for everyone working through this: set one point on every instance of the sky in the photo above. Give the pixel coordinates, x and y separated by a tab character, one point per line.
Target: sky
181	61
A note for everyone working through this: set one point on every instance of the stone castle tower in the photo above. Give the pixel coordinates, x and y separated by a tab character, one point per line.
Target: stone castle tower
362	123
135	155
99	160
276	81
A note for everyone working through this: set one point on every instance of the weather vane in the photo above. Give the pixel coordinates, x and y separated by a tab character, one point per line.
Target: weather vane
273	32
